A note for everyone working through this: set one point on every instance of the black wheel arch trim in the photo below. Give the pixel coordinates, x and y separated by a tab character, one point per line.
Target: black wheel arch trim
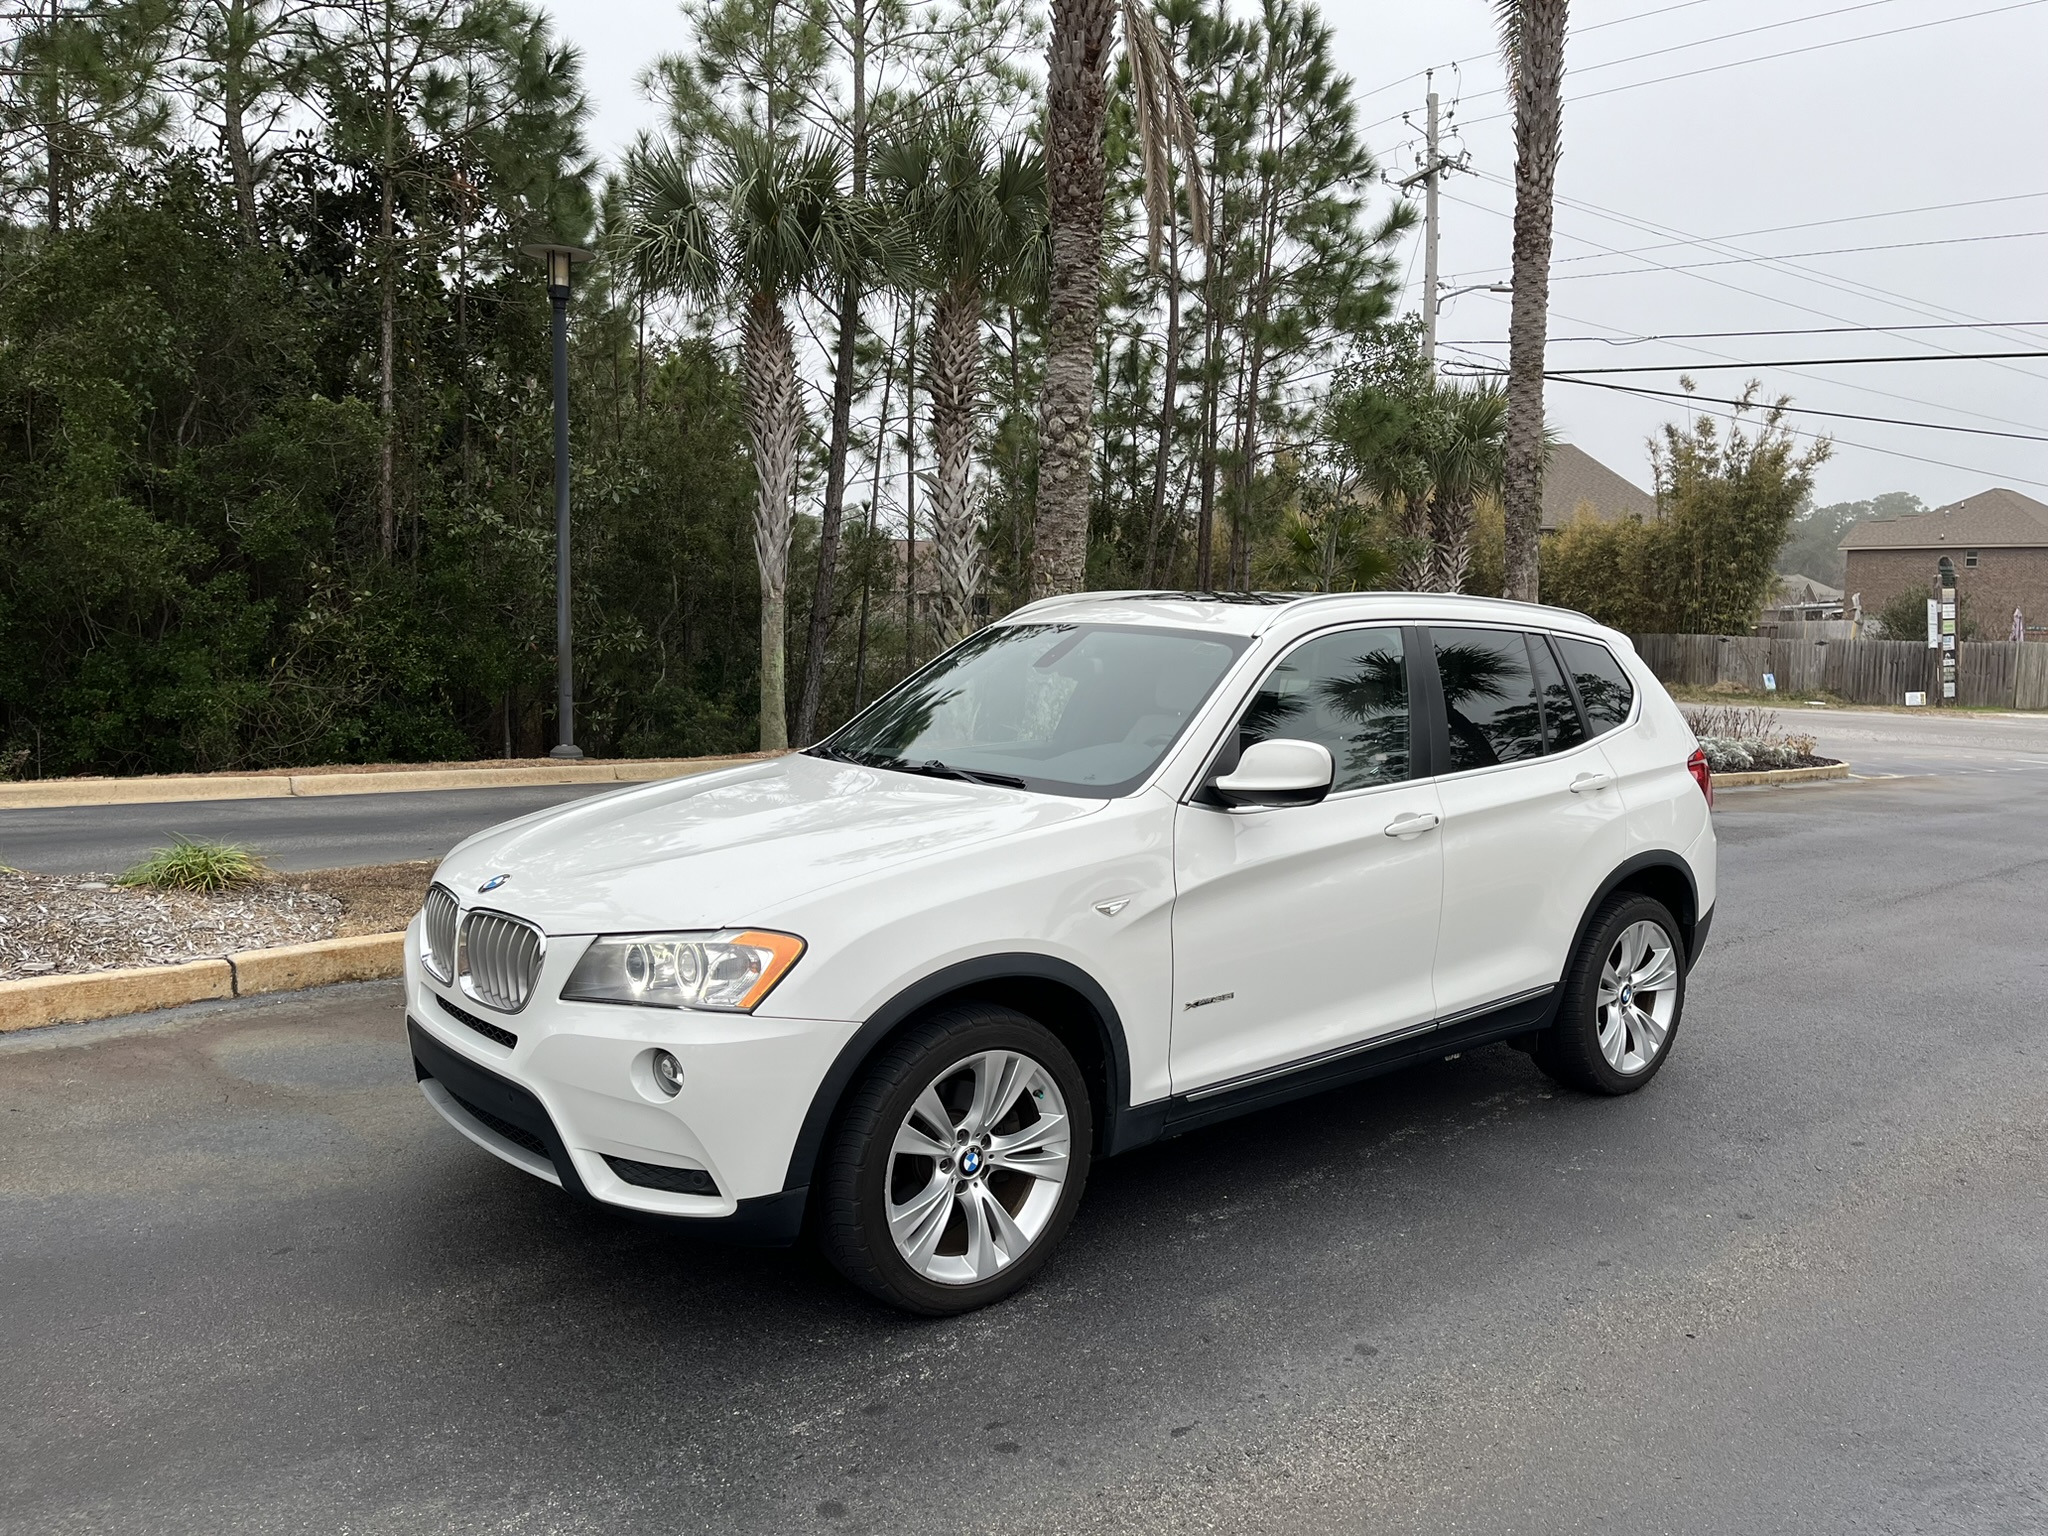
1694	922
1024	965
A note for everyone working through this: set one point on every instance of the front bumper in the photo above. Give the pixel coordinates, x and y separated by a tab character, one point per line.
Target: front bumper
554	1091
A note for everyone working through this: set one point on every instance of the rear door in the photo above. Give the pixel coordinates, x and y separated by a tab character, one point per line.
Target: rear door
1533	821
1309	929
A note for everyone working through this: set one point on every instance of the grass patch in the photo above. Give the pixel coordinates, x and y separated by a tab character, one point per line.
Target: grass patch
192	865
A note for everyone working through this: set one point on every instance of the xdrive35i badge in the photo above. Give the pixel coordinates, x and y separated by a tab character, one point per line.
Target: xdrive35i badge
492	884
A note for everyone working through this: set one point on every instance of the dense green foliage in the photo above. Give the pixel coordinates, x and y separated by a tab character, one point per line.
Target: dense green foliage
1705	566
275	421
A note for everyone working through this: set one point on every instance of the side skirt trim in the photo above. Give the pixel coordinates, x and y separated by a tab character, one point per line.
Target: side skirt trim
1475	1027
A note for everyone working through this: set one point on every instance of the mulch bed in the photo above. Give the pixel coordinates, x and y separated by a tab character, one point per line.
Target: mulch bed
65	924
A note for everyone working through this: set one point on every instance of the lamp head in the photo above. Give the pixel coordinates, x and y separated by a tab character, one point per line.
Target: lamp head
560	261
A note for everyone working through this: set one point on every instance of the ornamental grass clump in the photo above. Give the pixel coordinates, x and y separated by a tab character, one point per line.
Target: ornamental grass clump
191	864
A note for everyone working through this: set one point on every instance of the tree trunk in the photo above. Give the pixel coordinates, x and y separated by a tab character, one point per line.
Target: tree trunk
867	568
1539	115
831	516
1418	567
910	494
1076	106
1168	390
234	135
833	513
774	420
954	382
1450	543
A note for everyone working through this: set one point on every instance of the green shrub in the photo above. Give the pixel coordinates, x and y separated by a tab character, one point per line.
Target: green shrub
192	865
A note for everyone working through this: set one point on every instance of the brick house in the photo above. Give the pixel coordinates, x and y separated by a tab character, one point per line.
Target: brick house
1997	541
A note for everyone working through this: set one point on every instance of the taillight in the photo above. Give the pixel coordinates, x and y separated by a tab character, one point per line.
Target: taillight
1702	775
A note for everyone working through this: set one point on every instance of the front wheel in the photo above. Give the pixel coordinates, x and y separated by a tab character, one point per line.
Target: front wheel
1624	993
958	1163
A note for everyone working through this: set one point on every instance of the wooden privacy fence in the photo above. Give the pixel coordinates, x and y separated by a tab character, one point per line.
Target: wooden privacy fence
1994	674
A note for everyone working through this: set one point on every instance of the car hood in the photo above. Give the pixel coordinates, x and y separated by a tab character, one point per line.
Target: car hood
729	849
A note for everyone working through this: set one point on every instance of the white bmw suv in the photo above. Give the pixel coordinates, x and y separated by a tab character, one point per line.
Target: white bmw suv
1120	865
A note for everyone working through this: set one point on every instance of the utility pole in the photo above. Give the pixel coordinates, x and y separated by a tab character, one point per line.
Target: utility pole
1434	165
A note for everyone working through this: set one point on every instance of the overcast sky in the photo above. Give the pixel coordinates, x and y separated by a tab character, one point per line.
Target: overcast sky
1857	137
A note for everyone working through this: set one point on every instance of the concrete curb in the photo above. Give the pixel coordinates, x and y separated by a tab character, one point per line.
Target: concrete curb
1781	776
144	988
172	788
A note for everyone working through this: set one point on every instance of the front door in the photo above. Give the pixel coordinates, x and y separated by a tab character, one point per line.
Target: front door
1306	930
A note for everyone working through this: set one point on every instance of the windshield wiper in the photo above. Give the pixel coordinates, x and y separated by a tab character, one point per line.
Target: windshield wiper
834	754
933	768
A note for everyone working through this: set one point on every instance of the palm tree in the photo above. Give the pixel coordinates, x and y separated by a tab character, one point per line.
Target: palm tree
975	214
1077	103
1532	34
1464	457
770	219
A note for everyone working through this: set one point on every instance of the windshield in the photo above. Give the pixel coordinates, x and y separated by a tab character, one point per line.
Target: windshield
1079	709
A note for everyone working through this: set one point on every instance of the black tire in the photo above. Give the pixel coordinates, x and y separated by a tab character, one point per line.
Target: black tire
1570	1050
853	1227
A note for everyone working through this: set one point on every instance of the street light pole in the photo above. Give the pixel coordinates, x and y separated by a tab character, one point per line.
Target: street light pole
561	261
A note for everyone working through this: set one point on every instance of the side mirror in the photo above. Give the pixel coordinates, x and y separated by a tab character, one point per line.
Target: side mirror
1277	773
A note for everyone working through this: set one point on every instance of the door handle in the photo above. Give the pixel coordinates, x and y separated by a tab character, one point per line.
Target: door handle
1585	783
1413	823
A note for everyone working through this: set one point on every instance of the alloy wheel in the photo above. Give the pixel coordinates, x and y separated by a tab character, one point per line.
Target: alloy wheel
977	1166
1638	999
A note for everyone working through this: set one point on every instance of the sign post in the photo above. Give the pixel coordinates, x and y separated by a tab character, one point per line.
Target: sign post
1948	632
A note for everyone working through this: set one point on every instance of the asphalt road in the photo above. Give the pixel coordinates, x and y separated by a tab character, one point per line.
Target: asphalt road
250	1283
317	832
329	831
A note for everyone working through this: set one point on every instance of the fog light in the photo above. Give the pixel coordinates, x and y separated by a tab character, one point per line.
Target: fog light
668	1073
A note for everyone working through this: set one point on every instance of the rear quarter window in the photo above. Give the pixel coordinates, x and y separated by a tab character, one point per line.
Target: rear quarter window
1603	683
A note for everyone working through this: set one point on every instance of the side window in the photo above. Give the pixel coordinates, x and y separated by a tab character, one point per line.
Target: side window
1489	696
1348	691
1604	687
1561	724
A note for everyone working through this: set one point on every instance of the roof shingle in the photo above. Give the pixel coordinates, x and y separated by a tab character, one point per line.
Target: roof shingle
1575	481
1989	519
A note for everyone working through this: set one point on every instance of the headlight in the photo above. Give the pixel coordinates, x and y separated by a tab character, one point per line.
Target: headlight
730	971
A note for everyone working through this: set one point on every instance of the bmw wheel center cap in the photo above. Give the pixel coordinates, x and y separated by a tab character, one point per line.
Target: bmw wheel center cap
970	1162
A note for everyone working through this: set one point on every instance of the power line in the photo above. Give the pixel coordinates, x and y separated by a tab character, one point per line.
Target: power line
1896	453
1801	410
1823	279
1621	339
1765	58
1381	90
1779	229
1839	250
1808	362
1836	382
1719	37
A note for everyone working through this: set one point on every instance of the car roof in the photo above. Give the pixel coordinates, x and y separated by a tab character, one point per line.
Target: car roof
1253	613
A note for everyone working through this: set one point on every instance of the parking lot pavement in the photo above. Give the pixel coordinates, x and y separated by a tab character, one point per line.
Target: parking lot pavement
249	1282
1925	741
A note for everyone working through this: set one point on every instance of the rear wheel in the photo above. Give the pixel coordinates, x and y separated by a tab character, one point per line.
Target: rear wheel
958	1163
1624	994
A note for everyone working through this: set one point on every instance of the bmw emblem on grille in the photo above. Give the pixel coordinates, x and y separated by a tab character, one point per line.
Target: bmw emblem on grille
492	884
